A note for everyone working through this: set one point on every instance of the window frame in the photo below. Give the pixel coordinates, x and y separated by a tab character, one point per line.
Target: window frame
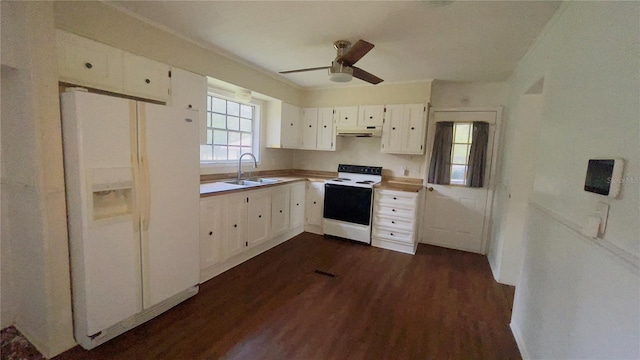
256	130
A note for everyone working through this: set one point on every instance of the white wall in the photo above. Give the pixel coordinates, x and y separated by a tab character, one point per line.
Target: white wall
474	94
514	188
578	297
34	234
364	151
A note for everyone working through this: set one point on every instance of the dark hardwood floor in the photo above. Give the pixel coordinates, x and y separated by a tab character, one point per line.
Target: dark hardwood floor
438	304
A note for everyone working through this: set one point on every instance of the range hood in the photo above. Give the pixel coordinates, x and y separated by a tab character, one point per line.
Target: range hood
367	131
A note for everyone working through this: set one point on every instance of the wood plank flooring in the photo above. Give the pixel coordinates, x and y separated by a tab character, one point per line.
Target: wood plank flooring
437	304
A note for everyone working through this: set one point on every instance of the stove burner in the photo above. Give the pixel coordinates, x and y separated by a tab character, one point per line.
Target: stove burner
341	179
365	182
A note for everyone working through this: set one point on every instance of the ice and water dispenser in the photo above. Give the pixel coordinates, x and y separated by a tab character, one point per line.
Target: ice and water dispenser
112	193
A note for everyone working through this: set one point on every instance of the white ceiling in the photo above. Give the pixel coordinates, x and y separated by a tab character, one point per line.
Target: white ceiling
414	40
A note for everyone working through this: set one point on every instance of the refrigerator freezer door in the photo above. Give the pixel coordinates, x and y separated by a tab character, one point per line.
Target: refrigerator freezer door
105	254
170	159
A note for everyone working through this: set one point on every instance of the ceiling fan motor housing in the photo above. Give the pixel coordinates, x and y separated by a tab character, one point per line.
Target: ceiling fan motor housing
340	73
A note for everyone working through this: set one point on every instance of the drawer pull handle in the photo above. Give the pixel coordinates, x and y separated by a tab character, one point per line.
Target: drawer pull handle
314	202
210	233
88	65
235	225
280	211
147	81
393	222
391	234
395	198
259	216
190	107
394	210
370	117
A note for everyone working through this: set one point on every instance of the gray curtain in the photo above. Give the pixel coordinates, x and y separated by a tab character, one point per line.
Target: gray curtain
440	166
478	154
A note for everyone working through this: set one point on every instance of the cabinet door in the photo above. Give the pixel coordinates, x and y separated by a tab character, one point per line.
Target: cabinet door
314	203
234	225
85	62
415	122
326	130
309	128
346	116
291	118
258	217
392	129
145	78
370	115
296	205
189	91
211	231
280	210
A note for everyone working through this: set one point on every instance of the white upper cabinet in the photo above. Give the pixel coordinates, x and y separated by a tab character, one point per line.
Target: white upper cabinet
309	128
392	129
189	91
290	126
370	115
346	116
88	63
326	136
404	129
145	78
85	62
415	116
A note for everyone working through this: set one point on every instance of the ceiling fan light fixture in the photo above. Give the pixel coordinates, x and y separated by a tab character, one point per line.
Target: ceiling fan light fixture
340	73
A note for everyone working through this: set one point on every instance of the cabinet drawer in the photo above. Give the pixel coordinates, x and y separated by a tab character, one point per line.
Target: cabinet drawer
393	223
396	198
394	235
394	211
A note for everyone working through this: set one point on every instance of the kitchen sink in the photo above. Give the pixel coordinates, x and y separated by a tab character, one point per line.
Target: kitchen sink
252	181
263	180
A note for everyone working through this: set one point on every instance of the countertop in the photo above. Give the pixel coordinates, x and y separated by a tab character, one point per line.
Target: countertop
212	188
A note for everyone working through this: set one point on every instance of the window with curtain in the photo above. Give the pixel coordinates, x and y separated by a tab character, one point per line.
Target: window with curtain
459	154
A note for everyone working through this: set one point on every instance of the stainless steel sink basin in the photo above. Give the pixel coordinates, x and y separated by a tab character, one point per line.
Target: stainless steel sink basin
242	182
252	181
263	180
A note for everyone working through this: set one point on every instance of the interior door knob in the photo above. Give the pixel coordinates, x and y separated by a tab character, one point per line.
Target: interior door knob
430	188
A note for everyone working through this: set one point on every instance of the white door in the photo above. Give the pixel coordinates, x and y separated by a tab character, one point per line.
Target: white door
105	250
290	131
258	217
414	123
457	216
211	235
326	134
170	167
297	204
189	91
314	203
309	128
280	210
234	225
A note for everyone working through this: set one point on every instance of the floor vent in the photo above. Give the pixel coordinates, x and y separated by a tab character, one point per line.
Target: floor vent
325	273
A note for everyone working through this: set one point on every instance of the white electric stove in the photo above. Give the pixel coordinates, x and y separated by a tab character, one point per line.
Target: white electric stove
348	202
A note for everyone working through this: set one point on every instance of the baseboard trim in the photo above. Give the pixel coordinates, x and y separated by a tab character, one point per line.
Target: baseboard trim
520	342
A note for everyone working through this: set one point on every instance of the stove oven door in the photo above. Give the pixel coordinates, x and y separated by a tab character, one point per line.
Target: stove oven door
348	203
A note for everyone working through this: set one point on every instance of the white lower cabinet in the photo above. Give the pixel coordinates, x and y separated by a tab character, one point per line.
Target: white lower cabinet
297	204
314	207
280	210
395	220
235	227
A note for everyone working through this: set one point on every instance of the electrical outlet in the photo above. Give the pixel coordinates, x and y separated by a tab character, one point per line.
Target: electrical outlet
405	170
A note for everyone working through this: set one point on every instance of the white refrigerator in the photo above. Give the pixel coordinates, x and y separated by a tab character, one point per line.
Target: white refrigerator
132	172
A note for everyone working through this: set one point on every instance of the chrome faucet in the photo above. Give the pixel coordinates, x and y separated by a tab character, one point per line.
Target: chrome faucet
255	164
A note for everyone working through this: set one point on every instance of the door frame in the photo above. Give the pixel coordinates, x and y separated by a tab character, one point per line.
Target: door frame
492	181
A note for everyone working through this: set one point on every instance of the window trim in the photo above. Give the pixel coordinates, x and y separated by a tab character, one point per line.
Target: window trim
256	131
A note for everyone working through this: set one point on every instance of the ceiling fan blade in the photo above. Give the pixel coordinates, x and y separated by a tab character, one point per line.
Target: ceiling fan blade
355	52
302	70
368	77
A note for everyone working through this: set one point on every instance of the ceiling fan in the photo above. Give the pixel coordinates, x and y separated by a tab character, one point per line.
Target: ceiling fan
342	69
